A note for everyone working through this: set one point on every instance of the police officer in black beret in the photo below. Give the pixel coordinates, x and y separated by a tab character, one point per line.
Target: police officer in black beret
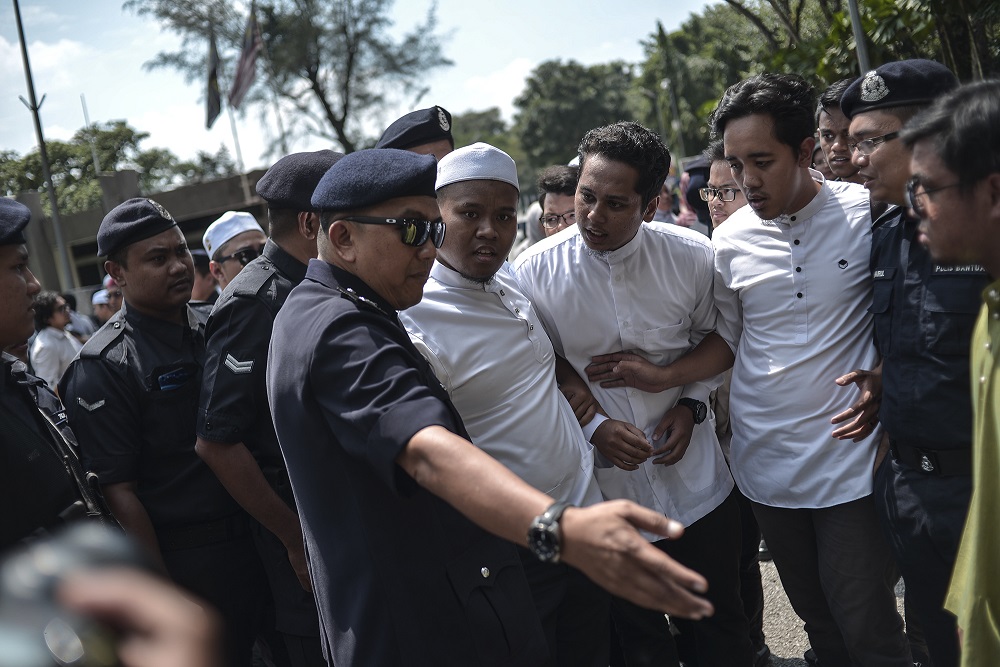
425	131
389	489
924	314
132	395
42	482
235	433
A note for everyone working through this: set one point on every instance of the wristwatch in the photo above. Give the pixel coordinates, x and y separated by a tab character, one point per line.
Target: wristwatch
543	535
698	408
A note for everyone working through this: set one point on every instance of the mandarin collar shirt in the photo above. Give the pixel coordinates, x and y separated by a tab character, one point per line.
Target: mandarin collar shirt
652	296
793	296
491	354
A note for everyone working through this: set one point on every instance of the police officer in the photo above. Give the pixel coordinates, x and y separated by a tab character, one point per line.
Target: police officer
924	314
388	487
133	395
425	131
235	434
42	483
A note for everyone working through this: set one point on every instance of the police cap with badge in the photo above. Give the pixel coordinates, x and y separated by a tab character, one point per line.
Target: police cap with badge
131	221
898	84
14	217
416	128
290	182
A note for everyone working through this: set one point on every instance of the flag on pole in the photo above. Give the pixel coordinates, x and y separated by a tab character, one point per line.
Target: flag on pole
246	68
214	97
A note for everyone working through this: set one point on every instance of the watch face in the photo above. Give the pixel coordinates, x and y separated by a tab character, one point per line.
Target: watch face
544	542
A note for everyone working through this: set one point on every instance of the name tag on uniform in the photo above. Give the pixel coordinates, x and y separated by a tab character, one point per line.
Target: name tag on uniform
960	268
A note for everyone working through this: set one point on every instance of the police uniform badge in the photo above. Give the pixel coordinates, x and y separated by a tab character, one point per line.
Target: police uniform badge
443	120
159	209
873	87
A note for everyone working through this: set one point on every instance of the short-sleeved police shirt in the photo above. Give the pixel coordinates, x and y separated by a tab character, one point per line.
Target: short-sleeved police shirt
400	577
132	397
233	406
924	314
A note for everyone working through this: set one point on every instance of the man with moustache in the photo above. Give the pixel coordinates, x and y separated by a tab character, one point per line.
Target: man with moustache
924	313
132	396
389	488
235	433
487	347
793	290
955	190
622	281
42	482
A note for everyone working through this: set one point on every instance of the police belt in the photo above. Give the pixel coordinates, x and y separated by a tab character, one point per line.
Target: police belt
190	536
940	462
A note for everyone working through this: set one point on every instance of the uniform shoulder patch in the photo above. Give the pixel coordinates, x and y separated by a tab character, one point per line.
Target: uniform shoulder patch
89	407
238	367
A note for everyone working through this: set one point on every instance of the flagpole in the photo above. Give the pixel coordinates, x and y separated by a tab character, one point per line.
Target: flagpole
239	156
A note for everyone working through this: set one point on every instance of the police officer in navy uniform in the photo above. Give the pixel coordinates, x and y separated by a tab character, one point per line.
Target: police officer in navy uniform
424	131
42	482
389	490
132	396
924	314
235	433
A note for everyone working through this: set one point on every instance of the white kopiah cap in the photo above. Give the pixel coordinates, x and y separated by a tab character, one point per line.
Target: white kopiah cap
229	225
100	298
478	162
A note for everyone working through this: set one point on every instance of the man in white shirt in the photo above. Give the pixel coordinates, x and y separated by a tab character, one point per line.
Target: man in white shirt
487	348
54	347
793	292
613	283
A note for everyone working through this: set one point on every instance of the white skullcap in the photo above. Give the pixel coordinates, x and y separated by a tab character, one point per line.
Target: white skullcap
229	225
100	298
478	162
109	282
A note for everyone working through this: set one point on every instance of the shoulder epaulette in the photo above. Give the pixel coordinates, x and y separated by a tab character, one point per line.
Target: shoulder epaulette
104	338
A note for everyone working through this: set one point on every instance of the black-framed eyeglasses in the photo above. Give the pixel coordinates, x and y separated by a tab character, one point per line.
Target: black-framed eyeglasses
725	194
415	231
868	146
553	220
244	255
913	197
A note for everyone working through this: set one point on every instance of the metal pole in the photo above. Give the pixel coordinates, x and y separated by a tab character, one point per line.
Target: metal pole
93	139
675	122
239	157
66	280
864	65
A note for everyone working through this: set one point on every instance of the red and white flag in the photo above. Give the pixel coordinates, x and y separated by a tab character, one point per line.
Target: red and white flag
246	68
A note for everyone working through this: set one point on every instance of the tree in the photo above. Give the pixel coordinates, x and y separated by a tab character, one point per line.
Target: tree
333	61
562	101
490	127
116	145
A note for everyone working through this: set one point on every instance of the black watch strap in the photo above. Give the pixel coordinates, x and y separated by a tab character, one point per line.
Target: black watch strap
697	408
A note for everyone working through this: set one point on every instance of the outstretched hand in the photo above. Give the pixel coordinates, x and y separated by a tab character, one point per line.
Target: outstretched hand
625	369
604	543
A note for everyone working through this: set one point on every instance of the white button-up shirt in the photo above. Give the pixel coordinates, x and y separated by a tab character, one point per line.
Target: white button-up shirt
652	296
490	353
793	296
51	353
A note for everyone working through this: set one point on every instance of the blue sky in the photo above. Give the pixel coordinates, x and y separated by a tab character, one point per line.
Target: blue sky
97	49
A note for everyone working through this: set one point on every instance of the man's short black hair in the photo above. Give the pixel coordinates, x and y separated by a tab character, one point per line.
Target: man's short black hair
787	98
714	152
202	264
964	126
830	98
281	222
636	146
45	308
559	180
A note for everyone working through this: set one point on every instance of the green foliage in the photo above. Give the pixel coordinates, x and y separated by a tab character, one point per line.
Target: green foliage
332	61
561	101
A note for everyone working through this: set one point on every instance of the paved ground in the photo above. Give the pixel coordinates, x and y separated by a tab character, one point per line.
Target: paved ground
782	628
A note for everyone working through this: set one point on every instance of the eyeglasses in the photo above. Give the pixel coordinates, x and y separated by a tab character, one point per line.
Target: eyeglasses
244	255
553	220
725	194
868	146
415	232
913	197
63	308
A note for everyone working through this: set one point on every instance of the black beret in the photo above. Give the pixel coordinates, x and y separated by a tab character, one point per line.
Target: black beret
290	181
14	217
368	177
418	127
898	84
131	221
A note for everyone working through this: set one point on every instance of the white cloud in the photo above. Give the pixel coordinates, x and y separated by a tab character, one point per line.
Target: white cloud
498	88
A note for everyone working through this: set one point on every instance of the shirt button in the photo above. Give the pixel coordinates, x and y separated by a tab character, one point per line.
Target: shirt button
792	218
994	294
517	311
799	295
502	293
798	269
531	327
982	379
618	279
796	241
485	572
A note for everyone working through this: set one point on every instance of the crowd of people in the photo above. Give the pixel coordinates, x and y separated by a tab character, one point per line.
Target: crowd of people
393	429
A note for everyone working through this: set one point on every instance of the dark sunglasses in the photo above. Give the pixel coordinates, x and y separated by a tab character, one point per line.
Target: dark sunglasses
415	232
244	255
